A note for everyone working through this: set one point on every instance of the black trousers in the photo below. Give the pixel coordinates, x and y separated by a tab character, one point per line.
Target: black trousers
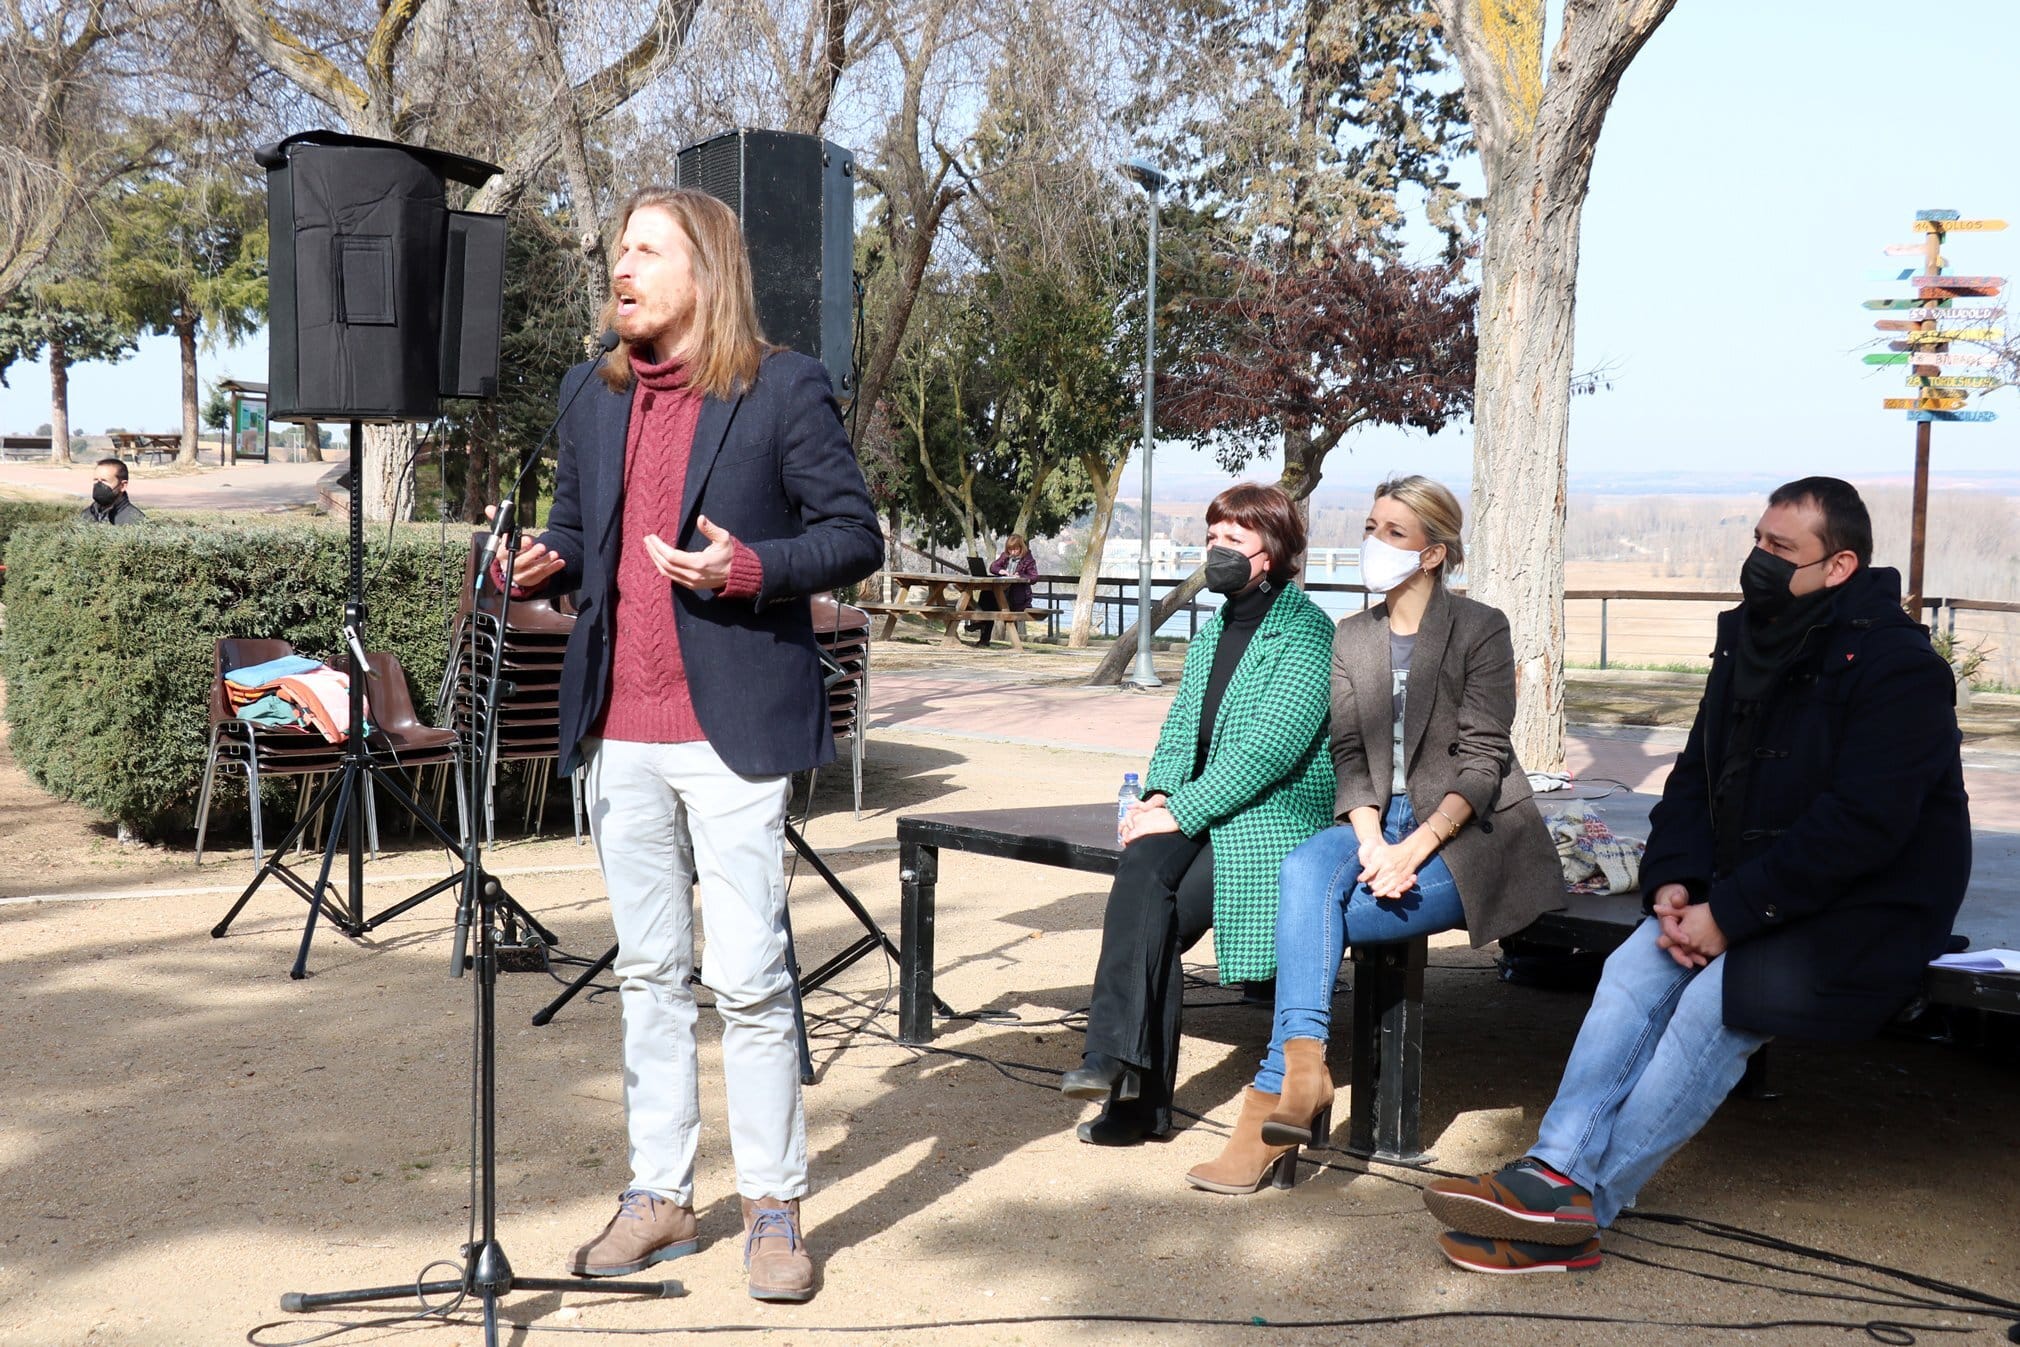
1159	907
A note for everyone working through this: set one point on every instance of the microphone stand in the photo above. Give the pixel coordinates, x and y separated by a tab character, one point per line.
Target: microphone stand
487	1272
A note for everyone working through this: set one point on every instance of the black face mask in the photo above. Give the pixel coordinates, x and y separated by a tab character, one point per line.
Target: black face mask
104	494
1764	583
1227	571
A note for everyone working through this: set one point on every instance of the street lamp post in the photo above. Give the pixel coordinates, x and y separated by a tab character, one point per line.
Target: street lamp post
1150	179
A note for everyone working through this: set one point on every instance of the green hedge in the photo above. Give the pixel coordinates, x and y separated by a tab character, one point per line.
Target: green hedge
16	513
111	634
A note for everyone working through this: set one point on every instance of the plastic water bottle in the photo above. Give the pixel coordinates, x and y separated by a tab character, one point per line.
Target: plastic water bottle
1131	792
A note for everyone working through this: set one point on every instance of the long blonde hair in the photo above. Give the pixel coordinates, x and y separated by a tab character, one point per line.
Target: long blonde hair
729	342
1437	509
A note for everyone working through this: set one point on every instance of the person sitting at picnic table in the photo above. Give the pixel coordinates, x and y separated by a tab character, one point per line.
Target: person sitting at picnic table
109	504
1016	559
1239	777
1436	829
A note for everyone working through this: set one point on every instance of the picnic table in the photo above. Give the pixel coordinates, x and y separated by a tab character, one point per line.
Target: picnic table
126	442
953	599
1388	983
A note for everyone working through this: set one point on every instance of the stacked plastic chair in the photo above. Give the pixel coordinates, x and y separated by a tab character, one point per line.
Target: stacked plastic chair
843	631
527	728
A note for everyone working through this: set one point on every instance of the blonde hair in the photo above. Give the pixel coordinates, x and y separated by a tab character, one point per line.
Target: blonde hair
1016	540
1437	509
727	342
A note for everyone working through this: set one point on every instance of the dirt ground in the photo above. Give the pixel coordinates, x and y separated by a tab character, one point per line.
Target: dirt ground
189	1134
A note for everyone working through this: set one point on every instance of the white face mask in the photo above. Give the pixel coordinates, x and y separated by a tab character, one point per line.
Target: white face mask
1384	565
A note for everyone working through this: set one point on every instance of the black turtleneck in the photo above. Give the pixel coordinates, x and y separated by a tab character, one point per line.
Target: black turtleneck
1240	617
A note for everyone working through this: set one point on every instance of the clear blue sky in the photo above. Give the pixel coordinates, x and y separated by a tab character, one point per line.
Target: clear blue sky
1758	157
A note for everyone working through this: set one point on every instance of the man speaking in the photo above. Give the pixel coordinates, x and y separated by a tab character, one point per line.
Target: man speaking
701	494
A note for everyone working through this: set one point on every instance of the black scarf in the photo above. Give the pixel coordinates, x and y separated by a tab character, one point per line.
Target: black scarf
1766	649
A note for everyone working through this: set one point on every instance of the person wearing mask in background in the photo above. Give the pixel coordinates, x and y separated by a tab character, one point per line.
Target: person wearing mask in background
1436	825
109	504
1016	560
1811	848
1239	777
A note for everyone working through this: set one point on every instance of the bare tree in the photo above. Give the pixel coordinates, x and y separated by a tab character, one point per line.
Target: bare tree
62	65
1536	132
416	78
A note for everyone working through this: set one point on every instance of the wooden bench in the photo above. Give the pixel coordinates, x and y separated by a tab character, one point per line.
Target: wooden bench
25	448
1388	980
891	612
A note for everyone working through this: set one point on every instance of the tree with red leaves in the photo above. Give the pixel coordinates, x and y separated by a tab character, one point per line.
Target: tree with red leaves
1307	348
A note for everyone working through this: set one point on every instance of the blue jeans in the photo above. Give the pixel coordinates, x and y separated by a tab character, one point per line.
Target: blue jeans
1653	1061
1321	908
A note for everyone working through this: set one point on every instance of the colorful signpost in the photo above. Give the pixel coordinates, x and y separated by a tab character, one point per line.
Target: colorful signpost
1924	348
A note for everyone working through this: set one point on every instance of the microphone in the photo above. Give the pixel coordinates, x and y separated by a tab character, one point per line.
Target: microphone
502	520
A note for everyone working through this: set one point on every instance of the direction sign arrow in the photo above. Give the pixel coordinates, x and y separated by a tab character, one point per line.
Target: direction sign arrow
1882	274
1928	292
1940	382
1937	335
1969	313
1953	416
1904	250
1934	359
1919	305
1957	226
1957	282
1927	404
1935	215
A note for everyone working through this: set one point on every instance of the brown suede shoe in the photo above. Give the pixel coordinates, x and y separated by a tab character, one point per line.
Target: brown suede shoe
774	1253
647	1229
1247	1162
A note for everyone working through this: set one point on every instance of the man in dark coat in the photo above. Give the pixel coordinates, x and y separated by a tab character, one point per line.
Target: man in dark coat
109	504
1809	854
705	488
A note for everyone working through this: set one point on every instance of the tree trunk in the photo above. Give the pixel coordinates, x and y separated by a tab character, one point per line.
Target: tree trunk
1105	490
312	441
185	336
1121	656
383	484
1537	126
59	400
1515	559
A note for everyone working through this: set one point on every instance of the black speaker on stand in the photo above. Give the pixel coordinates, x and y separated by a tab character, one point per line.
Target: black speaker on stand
383	301
796	198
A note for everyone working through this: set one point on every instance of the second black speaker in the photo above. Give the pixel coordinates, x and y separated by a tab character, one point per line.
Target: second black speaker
795	196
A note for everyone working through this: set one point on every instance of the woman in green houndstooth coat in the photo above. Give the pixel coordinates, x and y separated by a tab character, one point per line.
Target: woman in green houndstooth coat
1240	777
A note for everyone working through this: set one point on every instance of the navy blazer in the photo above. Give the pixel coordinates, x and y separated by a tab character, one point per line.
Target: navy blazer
1856	842
773	467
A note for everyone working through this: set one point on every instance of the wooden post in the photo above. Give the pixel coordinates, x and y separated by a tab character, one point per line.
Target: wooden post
1932	256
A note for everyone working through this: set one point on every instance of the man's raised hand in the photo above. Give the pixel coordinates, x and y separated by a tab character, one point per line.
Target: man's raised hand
706	569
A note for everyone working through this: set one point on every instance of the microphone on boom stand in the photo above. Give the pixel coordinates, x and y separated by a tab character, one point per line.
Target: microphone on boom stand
503	522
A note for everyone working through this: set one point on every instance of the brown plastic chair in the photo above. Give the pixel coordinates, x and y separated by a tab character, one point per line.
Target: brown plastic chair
259	750
843	631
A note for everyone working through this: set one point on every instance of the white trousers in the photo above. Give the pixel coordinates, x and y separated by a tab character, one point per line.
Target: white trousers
668	818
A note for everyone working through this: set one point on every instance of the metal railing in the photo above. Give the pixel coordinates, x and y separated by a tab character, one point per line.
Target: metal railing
1114	601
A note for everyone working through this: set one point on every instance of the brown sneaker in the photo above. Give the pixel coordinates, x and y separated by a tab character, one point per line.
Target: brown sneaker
647	1229
774	1253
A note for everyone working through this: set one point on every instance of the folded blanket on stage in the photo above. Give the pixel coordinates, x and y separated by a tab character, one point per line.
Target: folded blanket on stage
1594	860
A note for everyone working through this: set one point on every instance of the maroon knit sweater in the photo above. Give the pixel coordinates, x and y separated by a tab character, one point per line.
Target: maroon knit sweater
649	701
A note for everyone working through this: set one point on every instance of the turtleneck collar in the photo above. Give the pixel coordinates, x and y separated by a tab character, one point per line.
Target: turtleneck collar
1250	607
667	377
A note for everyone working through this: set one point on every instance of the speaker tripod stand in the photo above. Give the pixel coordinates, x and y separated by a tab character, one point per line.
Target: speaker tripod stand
359	773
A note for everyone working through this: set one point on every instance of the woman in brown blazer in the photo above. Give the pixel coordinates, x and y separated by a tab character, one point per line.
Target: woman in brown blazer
1435	826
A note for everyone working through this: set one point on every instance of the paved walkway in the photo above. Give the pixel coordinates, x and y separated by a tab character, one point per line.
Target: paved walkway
257	487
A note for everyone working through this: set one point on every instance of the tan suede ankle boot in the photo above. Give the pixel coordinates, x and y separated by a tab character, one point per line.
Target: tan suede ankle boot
774	1250
1304	1116
1247	1162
